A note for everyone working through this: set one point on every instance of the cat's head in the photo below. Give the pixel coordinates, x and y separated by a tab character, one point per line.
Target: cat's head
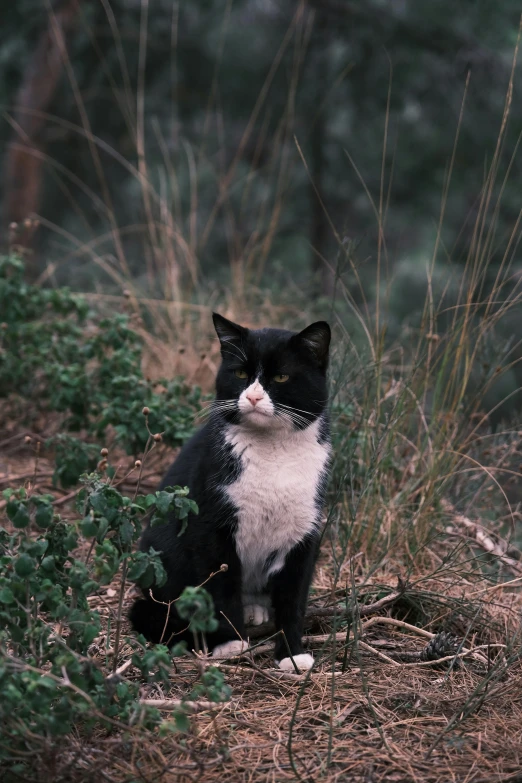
272	378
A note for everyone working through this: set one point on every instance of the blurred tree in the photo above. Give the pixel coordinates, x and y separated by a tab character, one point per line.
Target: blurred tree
171	142
24	156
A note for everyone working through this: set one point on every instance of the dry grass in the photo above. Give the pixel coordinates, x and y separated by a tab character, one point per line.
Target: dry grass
369	711
420	507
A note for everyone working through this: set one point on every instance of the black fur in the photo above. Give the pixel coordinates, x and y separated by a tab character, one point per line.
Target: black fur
206	463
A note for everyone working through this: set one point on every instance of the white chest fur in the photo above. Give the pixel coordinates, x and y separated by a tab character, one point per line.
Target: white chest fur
275	495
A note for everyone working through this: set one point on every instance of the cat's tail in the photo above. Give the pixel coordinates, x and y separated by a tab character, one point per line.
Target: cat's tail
150	619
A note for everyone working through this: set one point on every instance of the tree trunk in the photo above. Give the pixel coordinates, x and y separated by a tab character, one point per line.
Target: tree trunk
319	225
24	155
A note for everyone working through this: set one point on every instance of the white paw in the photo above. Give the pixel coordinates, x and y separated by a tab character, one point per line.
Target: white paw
229	649
254	614
303	662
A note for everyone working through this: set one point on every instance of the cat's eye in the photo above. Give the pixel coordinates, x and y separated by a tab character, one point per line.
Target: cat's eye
241	374
281	378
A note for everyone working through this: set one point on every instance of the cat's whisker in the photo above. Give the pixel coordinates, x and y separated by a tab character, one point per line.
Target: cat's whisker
291	408
291	412
289	418
221	407
298	422
215	413
212	404
294	418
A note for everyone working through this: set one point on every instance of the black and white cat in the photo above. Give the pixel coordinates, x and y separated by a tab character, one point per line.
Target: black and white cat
257	471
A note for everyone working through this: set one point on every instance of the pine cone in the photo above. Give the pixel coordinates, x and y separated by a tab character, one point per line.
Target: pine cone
440	646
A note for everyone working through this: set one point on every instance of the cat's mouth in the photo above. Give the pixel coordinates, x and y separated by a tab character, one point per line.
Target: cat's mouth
257	418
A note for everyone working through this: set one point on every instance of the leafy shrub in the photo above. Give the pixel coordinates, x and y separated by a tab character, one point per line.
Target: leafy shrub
48	682
72	457
56	355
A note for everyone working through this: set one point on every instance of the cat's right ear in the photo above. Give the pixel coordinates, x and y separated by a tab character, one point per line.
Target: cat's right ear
316	339
227	331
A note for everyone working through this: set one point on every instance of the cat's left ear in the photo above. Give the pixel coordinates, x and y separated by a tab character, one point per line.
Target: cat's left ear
227	331
316	339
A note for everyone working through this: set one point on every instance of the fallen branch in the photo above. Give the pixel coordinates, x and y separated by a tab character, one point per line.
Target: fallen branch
500	586
453	656
409	658
380	655
116	675
478	533
362	611
333	611
16	477
66	498
191	706
397	624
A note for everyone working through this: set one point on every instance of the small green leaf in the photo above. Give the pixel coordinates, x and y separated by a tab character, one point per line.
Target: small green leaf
163	501
156	521
43	516
88	527
160	575
37	548
18	513
6	596
182	720
137	569
25	566
47	563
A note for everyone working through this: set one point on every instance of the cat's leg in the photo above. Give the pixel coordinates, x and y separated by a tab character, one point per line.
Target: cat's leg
225	588
256	608
158	620
154	621
163	626
230	637
230	649
290	588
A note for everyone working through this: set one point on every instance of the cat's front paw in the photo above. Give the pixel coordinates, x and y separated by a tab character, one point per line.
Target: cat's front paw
229	649
254	614
303	661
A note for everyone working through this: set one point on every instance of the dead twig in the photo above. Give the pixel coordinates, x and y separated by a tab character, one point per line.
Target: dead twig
333	611
481	537
191	706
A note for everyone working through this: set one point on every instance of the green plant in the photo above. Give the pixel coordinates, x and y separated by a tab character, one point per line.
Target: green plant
72	457
48	681
57	356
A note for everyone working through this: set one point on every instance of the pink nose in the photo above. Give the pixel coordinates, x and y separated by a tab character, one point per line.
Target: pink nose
254	395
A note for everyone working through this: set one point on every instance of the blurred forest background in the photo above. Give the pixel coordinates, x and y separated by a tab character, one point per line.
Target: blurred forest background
279	144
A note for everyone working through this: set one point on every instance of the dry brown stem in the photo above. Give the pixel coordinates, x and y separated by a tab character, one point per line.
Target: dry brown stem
479	533
191	706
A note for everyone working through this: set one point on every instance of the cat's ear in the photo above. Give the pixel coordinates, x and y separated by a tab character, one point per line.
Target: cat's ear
316	339
227	331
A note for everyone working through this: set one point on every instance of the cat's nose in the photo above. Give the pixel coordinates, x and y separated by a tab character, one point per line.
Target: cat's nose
254	395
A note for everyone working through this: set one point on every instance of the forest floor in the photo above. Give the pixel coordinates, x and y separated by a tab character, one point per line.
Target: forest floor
371	709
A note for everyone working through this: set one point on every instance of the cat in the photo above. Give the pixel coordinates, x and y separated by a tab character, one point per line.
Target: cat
257	470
